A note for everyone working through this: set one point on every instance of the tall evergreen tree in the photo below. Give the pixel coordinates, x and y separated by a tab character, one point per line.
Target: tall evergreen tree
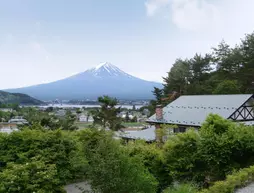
106	116
227	70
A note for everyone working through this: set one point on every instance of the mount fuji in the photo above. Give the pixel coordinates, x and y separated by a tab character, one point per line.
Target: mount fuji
104	79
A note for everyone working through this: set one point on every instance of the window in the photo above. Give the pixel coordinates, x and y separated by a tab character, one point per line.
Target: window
179	130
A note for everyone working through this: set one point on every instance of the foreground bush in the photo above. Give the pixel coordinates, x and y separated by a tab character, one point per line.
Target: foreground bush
219	148
236	180
34	176
182	157
225	146
58	148
111	169
152	159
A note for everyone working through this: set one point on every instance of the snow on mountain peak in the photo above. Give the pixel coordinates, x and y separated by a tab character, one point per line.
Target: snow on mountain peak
107	69
104	64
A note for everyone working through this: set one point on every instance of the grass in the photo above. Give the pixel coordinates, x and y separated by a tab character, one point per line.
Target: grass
82	125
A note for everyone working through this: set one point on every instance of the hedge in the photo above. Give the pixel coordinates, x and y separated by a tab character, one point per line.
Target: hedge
232	182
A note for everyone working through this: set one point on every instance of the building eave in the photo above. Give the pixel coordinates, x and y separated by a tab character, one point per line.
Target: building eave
168	123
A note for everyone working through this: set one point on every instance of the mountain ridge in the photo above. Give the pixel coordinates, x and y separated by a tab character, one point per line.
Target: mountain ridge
18	98
104	79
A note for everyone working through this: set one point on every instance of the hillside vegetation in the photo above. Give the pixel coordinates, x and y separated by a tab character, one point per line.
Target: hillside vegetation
18	98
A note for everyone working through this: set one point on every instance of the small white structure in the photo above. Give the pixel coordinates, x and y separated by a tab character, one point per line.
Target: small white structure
130	116
86	118
82	118
18	120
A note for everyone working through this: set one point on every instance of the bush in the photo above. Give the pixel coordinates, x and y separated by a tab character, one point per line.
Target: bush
111	169
225	146
151	157
34	176
51	147
182	158
219	148
236	180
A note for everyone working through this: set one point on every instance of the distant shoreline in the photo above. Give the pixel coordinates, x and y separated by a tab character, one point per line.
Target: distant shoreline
81	106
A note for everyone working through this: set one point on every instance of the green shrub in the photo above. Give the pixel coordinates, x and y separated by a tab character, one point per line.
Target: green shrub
225	146
182	158
233	181
151	157
111	169
51	147
34	176
204	157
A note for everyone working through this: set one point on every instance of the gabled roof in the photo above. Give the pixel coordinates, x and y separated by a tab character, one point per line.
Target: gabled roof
192	110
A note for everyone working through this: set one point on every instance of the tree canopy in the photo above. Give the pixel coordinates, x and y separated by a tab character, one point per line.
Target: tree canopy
106	116
226	70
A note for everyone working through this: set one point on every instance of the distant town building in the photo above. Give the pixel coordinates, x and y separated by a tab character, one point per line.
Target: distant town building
146	112
82	118
85	118
130	116
19	120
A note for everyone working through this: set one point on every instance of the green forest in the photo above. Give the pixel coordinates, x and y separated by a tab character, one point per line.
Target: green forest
226	70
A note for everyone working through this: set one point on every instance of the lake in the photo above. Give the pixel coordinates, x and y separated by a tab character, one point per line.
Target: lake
66	106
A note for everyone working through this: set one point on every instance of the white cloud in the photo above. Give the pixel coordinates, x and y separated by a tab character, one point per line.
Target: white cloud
152	6
194	14
206	15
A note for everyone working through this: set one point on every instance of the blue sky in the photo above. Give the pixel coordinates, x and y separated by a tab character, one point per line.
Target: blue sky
46	40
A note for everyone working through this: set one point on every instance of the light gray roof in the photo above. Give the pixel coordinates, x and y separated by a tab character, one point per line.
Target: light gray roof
146	134
249	123
192	110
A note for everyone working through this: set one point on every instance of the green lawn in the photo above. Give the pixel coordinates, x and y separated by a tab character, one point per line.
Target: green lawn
83	125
